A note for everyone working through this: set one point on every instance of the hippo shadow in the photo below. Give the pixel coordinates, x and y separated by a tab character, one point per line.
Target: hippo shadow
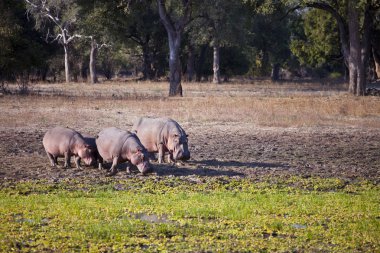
231	163
120	166
173	170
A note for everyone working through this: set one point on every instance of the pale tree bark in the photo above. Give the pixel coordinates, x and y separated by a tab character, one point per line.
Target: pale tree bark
174	30
216	64
63	36
67	68
92	65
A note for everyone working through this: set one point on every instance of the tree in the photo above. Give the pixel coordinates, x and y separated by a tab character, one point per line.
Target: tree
354	20
317	45
21	47
174	21
142	25
95	24
270	36
58	19
375	43
219	23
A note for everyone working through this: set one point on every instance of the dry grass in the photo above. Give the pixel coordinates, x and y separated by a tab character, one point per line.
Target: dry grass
258	104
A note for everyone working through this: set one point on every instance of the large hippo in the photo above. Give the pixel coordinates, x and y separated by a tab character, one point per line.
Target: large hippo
66	142
120	146
161	135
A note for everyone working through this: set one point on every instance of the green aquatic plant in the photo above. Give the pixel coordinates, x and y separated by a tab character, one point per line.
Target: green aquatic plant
180	215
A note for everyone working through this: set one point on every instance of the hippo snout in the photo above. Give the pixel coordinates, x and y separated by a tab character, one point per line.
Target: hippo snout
89	161
143	167
182	155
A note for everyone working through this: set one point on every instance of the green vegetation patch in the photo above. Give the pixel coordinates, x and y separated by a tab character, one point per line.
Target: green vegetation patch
190	214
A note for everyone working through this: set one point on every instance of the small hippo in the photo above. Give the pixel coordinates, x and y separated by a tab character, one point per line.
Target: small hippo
163	135
119	146
65	142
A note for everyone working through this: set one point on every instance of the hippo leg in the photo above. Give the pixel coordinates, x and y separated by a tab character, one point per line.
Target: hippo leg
52	159
128	169
77	162
67	160
170	158
100	163
113	169
160	153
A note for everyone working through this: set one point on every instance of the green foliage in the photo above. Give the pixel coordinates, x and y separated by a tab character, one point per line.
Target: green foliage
173	214
219	22
269	39
21	47
54	15
321	44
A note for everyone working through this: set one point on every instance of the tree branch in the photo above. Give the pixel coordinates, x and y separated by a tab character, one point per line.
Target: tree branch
164	16
341	24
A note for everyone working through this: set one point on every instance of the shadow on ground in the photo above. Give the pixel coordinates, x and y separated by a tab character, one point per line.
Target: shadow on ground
205	168
165	170
249	165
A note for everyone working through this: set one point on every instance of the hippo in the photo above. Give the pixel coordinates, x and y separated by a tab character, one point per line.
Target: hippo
161	135
66	142
120	146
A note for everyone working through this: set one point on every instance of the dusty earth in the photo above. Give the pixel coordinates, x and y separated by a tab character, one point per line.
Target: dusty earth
228	149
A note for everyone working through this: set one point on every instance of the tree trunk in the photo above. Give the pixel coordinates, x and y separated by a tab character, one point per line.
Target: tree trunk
147	64
355	66
92	65
190	64
174	30
376	59
83	71
216	65
201	60
175	88
275	75
67	70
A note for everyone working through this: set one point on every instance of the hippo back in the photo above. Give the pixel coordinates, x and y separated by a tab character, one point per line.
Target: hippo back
110	142
57	140
155	131
148	131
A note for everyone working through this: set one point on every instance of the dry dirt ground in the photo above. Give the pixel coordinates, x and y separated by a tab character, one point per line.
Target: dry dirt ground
235	148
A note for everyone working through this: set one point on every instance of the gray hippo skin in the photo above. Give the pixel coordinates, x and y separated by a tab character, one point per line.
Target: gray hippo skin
66	142
161	135
118	146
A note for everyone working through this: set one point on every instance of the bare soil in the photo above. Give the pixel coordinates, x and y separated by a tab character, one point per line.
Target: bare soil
238	148
223	150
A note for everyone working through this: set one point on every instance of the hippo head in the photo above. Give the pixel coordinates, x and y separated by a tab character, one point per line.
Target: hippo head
178	145
139	158
87	154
